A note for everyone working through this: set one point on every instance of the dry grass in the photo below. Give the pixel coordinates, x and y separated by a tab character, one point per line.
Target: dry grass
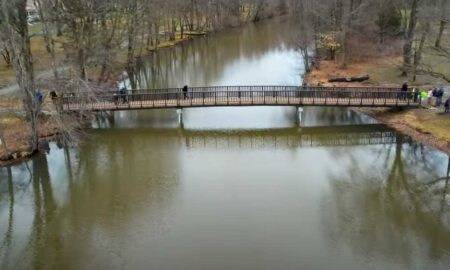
431	127
10	103
383	71
17	133
427	121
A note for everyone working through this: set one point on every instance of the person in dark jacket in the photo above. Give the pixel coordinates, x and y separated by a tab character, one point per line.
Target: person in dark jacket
185	91
447	105
404	91
53	96
39	97
439	96
123	94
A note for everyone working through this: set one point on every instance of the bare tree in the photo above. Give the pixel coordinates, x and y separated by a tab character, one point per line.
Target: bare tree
46	13
14	27
409	36
3	140
444	9
4	51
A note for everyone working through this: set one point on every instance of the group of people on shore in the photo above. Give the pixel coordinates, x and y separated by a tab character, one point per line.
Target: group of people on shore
435	92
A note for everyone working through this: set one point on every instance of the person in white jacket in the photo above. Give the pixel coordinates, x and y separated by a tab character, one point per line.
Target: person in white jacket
430	97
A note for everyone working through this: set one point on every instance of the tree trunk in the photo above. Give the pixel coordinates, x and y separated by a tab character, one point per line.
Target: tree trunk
17	28
350	79
418	53
82	64
6	56
49	41
304	41
192	10
258	10
409	38
442	26
4	145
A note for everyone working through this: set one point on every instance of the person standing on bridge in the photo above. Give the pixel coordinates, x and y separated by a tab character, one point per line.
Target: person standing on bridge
415	94
404	91
185	92
123	94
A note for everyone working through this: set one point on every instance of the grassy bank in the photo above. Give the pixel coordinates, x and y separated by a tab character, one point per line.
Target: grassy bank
16	134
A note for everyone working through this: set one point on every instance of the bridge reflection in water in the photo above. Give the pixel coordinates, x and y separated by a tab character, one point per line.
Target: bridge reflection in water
349	135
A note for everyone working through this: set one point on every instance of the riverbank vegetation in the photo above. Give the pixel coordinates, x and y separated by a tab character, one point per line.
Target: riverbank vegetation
392	41
65	45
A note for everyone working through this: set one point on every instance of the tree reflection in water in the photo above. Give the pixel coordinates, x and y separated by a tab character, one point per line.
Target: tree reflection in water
5	244
30	185
399	210
44	212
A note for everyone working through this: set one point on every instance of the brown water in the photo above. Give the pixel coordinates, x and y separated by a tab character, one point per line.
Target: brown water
229	188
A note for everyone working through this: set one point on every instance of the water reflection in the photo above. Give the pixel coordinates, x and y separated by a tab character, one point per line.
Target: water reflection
333	116
398	209
251	55
6	241
96	206
129	186
284	138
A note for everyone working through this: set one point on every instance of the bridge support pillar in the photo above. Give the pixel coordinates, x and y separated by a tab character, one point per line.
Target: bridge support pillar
299	116
180	118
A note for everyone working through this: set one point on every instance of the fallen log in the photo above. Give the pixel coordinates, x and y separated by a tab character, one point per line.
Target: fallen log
349	79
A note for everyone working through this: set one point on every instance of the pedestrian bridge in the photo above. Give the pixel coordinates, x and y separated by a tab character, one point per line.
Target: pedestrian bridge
220	96
283	138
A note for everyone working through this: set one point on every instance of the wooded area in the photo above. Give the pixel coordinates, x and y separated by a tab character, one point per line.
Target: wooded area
346	30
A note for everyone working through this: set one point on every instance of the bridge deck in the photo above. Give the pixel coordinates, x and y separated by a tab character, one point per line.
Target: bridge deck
240	96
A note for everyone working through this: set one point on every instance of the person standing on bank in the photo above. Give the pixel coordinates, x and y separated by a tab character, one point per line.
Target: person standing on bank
447	105
39	98
439	96
430	97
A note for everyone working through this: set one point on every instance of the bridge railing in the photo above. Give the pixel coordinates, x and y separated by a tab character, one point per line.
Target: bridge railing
242	88
238	95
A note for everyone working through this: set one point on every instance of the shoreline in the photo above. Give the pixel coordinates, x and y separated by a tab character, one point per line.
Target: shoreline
424	125
426	138
18	149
